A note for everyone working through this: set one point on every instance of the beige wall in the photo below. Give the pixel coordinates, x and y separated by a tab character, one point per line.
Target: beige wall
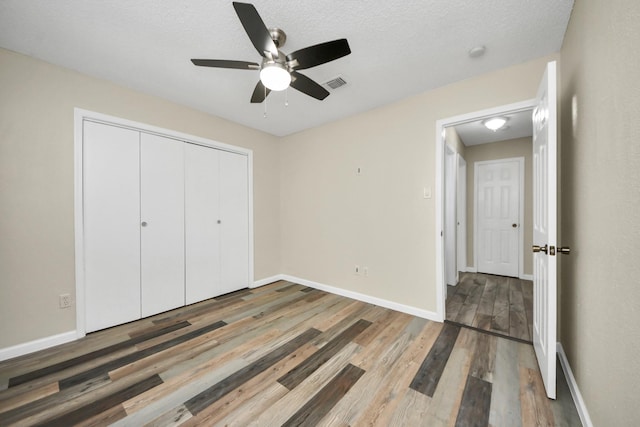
520	147
333	219
600	176
36	184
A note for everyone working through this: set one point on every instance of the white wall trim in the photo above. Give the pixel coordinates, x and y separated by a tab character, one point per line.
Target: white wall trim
267	280
80	116
526	277
573	387
37	345
439	187
425	314
471	269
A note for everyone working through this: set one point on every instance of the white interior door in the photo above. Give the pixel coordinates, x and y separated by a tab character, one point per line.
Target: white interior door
544	228
461	212
202	227
498	216
234	218
162	222
450	217
111	226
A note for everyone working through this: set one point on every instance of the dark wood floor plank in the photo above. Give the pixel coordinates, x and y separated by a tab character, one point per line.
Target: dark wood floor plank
454	304
103	404
517	316
294	377
428	375
56	401
488	299
483	363
500	321
104	368
29	376
470	306
320	404
527	295
476	401
212	394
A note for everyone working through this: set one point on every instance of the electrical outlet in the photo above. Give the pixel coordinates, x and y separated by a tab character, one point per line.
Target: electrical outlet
64	300
357	270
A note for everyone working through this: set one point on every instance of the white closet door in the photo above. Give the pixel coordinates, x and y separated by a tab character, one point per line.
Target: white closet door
111	204
162	221
234	217
202	230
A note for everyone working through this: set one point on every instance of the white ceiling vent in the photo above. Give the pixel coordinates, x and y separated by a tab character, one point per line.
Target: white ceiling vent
336	83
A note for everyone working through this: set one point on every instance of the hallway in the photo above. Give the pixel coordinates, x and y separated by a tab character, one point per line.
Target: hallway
500	305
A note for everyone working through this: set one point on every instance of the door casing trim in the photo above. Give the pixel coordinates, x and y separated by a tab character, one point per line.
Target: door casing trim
441	286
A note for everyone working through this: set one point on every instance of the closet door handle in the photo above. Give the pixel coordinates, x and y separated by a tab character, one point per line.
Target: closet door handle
219	222
143	223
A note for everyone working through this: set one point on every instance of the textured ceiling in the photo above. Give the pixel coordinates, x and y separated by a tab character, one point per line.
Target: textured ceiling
399	48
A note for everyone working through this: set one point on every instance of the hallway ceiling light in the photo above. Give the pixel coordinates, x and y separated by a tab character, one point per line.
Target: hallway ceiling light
495	123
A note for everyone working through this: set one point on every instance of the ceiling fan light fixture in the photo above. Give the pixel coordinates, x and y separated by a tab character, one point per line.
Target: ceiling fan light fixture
494	123
275	76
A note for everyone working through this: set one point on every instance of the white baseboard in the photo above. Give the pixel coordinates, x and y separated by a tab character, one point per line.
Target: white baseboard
425	314
472	269
36	345
526	277
573	387
267	280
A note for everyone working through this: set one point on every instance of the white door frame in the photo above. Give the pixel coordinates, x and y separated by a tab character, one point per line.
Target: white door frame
80	115
441	286
450	208
521	249
461	208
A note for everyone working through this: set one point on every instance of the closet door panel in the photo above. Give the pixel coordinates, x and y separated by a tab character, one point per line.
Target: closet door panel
162	223
202	230
111	205
234	216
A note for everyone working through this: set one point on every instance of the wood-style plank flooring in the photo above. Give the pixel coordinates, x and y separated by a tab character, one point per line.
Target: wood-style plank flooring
498	304
282	355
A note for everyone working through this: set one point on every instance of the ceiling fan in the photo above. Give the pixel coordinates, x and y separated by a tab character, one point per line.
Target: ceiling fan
277	70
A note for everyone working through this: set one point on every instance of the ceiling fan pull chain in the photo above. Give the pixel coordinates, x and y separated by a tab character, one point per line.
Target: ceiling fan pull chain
286	97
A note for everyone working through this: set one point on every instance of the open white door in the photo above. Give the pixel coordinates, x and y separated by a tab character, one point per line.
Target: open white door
544	228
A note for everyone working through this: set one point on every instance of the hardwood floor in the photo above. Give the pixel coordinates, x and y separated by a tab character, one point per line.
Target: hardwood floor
497	304
284	355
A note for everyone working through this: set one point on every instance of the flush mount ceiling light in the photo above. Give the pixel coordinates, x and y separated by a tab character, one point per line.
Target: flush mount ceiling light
495	123
275	76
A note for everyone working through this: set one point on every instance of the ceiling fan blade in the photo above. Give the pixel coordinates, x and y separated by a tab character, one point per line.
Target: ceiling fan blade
259	93
223	63
305	85
319	54
255	28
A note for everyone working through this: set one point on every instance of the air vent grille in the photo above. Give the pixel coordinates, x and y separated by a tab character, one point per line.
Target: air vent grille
336	83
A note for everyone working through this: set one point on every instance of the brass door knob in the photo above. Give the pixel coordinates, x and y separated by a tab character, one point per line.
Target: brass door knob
564	250
537	248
